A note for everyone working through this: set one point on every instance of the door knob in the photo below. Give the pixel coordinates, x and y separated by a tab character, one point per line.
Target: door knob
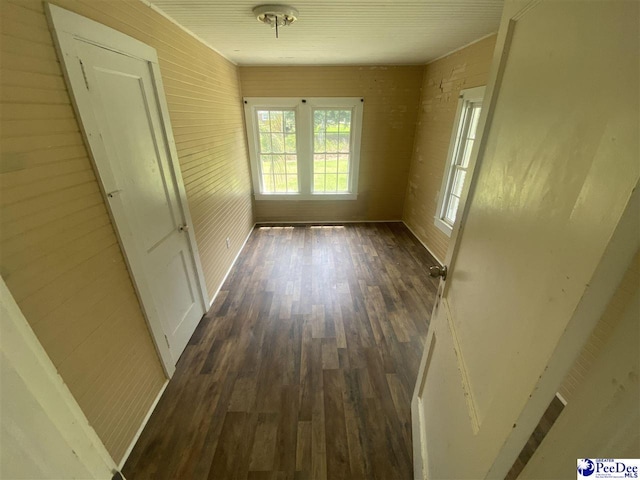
183	228
438	271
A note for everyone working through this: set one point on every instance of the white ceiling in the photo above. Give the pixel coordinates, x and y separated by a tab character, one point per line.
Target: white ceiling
335	32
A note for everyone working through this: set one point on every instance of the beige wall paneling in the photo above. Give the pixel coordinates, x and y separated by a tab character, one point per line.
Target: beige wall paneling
441	85
391	102
59	255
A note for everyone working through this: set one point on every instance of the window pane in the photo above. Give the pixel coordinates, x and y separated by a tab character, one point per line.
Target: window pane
318	163
290	121
267	183
290	143
332	120
263	120
466	155
265	143
332	141
343	183
319	120
276	121
318	182
278	164
332	164
343	143
292	183
331	183
345	121
292	164
458	182
277	143
265	163
318	142
343	163
452	209
475	116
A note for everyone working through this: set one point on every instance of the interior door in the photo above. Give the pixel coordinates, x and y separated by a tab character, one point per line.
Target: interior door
557	164
141	189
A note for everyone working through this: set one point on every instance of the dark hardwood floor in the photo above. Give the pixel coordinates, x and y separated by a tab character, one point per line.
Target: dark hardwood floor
305	365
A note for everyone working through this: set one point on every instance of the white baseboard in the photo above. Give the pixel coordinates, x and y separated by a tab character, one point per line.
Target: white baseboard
215	295
324	222
135	438
423	244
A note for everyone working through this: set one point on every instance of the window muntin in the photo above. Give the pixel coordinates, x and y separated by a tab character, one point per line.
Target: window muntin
277	149
331	150
460	150
304	148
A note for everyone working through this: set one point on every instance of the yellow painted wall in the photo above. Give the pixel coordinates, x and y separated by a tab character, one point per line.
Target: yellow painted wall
59	254
391	104
443	80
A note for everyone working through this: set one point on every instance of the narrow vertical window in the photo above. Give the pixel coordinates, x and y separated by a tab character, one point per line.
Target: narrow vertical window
277	149
457	172
331	150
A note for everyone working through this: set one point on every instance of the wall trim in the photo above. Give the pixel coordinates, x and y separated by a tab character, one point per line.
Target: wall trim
423	244
215	295
146	418
186	30
321	222
459	48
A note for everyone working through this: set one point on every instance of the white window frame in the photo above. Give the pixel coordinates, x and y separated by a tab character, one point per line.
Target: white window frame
303	108
467	97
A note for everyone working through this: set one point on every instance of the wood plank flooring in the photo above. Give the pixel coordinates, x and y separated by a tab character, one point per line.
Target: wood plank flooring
305	365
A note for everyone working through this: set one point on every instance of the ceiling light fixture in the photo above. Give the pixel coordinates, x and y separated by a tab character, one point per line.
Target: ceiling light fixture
276	15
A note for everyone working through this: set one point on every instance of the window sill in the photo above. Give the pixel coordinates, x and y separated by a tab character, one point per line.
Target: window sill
296	197
443	227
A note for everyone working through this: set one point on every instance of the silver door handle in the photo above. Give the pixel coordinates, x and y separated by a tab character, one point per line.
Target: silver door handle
183	228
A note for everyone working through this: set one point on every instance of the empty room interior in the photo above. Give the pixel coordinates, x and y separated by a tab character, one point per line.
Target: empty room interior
319	240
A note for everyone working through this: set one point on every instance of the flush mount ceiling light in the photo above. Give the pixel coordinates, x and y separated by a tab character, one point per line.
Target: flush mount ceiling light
276	15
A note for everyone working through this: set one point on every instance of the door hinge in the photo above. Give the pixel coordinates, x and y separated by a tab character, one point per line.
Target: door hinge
167	340
84	74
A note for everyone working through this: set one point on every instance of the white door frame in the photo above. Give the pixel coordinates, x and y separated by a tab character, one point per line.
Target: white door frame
72	445
68	28
610	271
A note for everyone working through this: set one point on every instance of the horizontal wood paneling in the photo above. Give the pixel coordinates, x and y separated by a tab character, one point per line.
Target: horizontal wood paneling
443	80
391	102
59	253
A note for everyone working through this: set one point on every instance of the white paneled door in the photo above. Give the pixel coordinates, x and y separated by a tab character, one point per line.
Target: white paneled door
547	234
121	101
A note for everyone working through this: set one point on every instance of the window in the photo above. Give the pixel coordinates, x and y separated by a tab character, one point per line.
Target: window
304	148
460	148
